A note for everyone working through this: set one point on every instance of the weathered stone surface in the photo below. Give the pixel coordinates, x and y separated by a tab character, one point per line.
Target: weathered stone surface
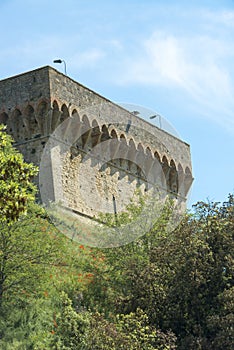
137	154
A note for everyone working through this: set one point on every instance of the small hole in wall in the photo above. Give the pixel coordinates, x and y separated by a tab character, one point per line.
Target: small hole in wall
33	151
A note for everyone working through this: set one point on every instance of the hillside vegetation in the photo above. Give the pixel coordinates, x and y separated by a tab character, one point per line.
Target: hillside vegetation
164	291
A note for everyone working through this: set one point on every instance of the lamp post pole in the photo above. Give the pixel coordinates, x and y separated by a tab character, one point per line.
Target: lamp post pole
159	117
62	61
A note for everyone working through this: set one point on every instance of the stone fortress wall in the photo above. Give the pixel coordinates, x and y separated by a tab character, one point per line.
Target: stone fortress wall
34	104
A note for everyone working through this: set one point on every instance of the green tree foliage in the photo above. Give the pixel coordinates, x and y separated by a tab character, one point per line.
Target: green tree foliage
16	189
37	263
184	280
29	254
26	250
71	328
87	331
164	291
131	331
181	281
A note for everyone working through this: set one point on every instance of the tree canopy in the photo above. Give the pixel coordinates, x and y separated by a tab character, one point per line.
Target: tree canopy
163	291
16	188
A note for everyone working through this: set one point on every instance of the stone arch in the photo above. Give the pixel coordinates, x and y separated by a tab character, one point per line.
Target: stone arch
132	158
96	133
42	108
114	144
123	137
86	133
64	113
188	180
121	156
55	120
42	117
180	168
72	129
76	129
132	150
166	169
188	172
148	160
113	134
140	147
148	151
4	118
132	143
85	120
156	173
165	161
173	178
104	137
105	133
76	125
123	151
17	124
95	124
31	122
140	158
180	180
74	112
157	156
140	155
76	115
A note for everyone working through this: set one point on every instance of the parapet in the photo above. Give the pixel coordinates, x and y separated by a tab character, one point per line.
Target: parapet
35	104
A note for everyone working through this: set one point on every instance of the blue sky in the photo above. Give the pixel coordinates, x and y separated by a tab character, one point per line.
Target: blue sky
173	57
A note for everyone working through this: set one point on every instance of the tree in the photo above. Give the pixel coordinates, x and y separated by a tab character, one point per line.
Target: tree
16	188
71	329
27	248
184	278
145	295
26	251
86	331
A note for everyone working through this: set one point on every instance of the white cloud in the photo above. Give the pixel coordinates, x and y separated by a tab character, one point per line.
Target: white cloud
87	58
225	17
199	65
160	61
115	44
45	48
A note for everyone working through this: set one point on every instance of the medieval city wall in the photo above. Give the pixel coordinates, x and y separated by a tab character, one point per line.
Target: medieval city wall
33	105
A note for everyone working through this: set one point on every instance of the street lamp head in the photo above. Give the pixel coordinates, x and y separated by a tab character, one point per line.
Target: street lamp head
61	61
159	117
58	61
154	116
135	112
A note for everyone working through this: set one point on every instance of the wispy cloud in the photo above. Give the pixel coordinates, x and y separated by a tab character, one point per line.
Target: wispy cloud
199	65
225	17
189	49
43	49
87	58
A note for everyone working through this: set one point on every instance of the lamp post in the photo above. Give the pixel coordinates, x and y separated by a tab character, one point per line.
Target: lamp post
159	117
115	209
60	61
135	112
